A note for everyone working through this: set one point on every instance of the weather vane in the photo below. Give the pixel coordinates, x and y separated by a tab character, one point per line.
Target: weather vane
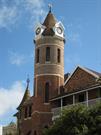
50	7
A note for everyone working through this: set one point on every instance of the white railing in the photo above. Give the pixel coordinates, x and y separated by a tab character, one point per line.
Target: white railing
57	111
93	101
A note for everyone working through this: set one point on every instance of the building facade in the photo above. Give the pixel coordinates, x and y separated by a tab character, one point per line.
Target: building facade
53	90
10	129
83	86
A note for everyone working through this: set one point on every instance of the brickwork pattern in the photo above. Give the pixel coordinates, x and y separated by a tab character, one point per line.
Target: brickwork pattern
79	80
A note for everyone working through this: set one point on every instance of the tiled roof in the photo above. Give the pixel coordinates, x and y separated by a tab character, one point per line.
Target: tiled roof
66	76
95	72
25	97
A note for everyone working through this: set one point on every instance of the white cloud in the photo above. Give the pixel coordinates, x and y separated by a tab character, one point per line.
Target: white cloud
7	16
17	59
36	10
12	11
10	98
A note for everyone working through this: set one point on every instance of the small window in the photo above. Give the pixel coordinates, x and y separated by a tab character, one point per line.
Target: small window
19	131
99	92
29	133
47	53
30	111
37	55
46	126
35	133
47	92
26	112
81	98
58	55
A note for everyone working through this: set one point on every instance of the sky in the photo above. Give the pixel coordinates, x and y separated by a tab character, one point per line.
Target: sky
18	18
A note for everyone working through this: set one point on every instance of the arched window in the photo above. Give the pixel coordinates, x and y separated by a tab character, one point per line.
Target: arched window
46	92
29	133
58	55
30	110
26	112
35	133
37	55
47	53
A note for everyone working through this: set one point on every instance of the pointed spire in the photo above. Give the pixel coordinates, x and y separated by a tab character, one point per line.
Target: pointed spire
26	94
50	19
28	81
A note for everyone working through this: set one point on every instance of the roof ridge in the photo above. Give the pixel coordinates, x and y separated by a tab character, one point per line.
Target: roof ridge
95	74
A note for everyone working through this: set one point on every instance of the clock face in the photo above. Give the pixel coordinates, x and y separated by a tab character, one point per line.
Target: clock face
59	30
38	30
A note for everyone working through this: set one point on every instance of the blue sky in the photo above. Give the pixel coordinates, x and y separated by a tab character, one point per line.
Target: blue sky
82	22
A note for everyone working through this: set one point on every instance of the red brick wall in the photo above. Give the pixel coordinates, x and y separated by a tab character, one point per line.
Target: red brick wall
54	85
79	80
41	117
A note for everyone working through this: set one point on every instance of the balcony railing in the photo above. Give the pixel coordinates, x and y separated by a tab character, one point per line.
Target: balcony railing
57	111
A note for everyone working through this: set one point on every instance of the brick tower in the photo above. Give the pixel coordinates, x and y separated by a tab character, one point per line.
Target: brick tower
34	113
49	58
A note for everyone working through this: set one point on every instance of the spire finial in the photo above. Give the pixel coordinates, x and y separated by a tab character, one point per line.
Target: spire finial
28	81
50	7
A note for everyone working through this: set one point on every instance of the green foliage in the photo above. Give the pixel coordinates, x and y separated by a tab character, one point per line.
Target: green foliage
94	121
77	120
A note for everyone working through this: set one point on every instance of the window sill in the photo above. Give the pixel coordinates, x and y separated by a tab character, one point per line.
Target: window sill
47	62
46	103
28	118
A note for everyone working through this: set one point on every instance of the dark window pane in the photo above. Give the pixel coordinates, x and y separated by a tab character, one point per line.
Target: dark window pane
47	53
30	111
29	133
37	56
58	55
35	133
81	98
46	92
25	112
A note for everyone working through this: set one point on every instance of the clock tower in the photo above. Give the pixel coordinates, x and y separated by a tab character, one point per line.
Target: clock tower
34	112
49	58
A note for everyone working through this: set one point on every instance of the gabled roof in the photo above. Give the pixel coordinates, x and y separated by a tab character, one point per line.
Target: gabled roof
91	72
